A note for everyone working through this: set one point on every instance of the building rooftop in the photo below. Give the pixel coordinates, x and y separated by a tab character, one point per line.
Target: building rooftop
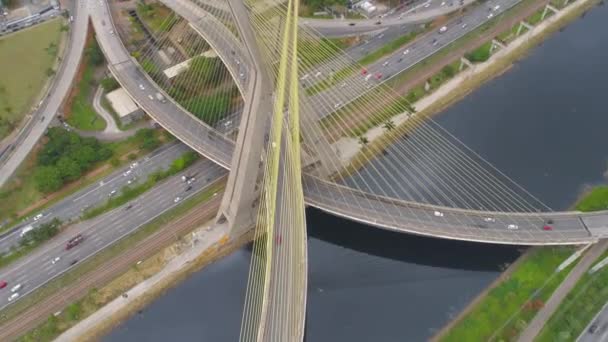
121	102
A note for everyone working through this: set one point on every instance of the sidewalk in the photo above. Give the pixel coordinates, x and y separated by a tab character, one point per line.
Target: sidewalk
562	291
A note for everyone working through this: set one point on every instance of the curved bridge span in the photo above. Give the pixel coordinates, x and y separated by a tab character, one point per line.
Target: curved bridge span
387	213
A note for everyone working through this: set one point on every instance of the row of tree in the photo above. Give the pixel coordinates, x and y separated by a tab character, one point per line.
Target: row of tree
41	233
65	157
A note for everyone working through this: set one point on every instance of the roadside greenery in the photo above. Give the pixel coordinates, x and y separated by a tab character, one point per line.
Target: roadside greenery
109	83
156	16
65	157
481	54
488	317
129	193
595	200
30	241
97	297
81	113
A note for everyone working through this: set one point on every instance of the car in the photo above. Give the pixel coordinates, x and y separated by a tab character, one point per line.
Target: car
549	221
151	97
16	288
73	242
56	260
189	188
191	180
592	328
380	36
547	227
242	75
303	78
435	42
38	217
73	262
442	3
351	24
497	7
112	193
141	86
490	15
3	284
399	60
385	64
378	75
133	165
227	123
318	74
112	32
489	219
512	227
126	173
406	51
427	5
177	199
438	213
13	297
363	71
378	22
129	207
368	77
343	85
464	25
338	105
443	29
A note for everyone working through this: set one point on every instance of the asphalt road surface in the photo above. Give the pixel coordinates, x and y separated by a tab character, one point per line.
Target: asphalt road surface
96	194
37	268
597	330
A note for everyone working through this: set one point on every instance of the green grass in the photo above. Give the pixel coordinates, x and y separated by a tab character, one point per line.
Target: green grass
156	16
47	331
82	115
25	58
317	52
579	307
535	18
595	200
481	54
506	299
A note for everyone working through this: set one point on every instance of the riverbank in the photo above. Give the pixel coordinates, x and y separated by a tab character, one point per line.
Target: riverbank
351	151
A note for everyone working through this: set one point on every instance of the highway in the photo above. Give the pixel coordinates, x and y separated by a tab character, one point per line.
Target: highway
96	194
37	268
597	330
387	213
41	118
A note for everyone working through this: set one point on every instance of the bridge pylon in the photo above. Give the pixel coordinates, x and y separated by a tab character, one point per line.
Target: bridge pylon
239	204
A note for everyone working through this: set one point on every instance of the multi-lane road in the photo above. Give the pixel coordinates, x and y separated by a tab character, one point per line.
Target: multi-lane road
37	268
71	207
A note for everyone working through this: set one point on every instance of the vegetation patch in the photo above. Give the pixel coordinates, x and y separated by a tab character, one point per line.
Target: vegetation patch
481	54
26	62
81	113
30	241
156	16
504	302
595	200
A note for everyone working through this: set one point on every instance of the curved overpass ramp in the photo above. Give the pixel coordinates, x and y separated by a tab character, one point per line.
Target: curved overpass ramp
387	213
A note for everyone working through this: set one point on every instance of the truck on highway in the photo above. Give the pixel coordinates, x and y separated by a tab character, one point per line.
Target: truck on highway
161	98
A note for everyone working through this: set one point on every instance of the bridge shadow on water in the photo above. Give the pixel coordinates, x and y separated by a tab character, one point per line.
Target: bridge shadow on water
408	248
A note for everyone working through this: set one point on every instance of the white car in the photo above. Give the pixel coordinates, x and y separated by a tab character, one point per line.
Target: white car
13	297
443	29
385	64
512	226
318	74
368	77
38	217
191	180
464	25
141	86
338	105
56	260
496	7
133	165
112	193
489	219
16	288
177	199
490	16
438	213
227	123
427	5
406	51
151	97
443	3
126	173
112	32
242	75
304	78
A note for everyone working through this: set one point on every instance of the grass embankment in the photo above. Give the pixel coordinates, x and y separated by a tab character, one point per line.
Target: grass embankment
96	298
129	193
487	317
596	199
20	197
80	112
26	63
317	52
156	16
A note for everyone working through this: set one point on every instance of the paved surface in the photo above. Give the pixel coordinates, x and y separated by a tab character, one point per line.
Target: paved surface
106	272
111	126
35	269
599	332
562	291
41	118
393	214
96	194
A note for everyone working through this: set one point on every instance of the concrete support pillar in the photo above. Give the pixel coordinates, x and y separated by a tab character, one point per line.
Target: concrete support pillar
463	62
547	9
496	44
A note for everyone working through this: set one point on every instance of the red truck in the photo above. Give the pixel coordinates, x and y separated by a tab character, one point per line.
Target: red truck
73	242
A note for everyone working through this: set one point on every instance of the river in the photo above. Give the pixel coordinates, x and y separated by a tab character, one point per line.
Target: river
542	123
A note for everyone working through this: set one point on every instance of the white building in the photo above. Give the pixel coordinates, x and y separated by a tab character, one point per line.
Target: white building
126	109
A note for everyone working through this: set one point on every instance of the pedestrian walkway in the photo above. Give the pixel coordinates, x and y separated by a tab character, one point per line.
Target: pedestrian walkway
560	293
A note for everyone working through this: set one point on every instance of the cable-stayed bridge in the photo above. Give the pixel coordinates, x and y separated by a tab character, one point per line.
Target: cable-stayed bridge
429	184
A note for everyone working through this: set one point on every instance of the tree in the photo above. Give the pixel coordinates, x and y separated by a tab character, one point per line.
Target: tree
363	140
69	169
48	179
449	71
389	125
94	54
147	139
109	84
